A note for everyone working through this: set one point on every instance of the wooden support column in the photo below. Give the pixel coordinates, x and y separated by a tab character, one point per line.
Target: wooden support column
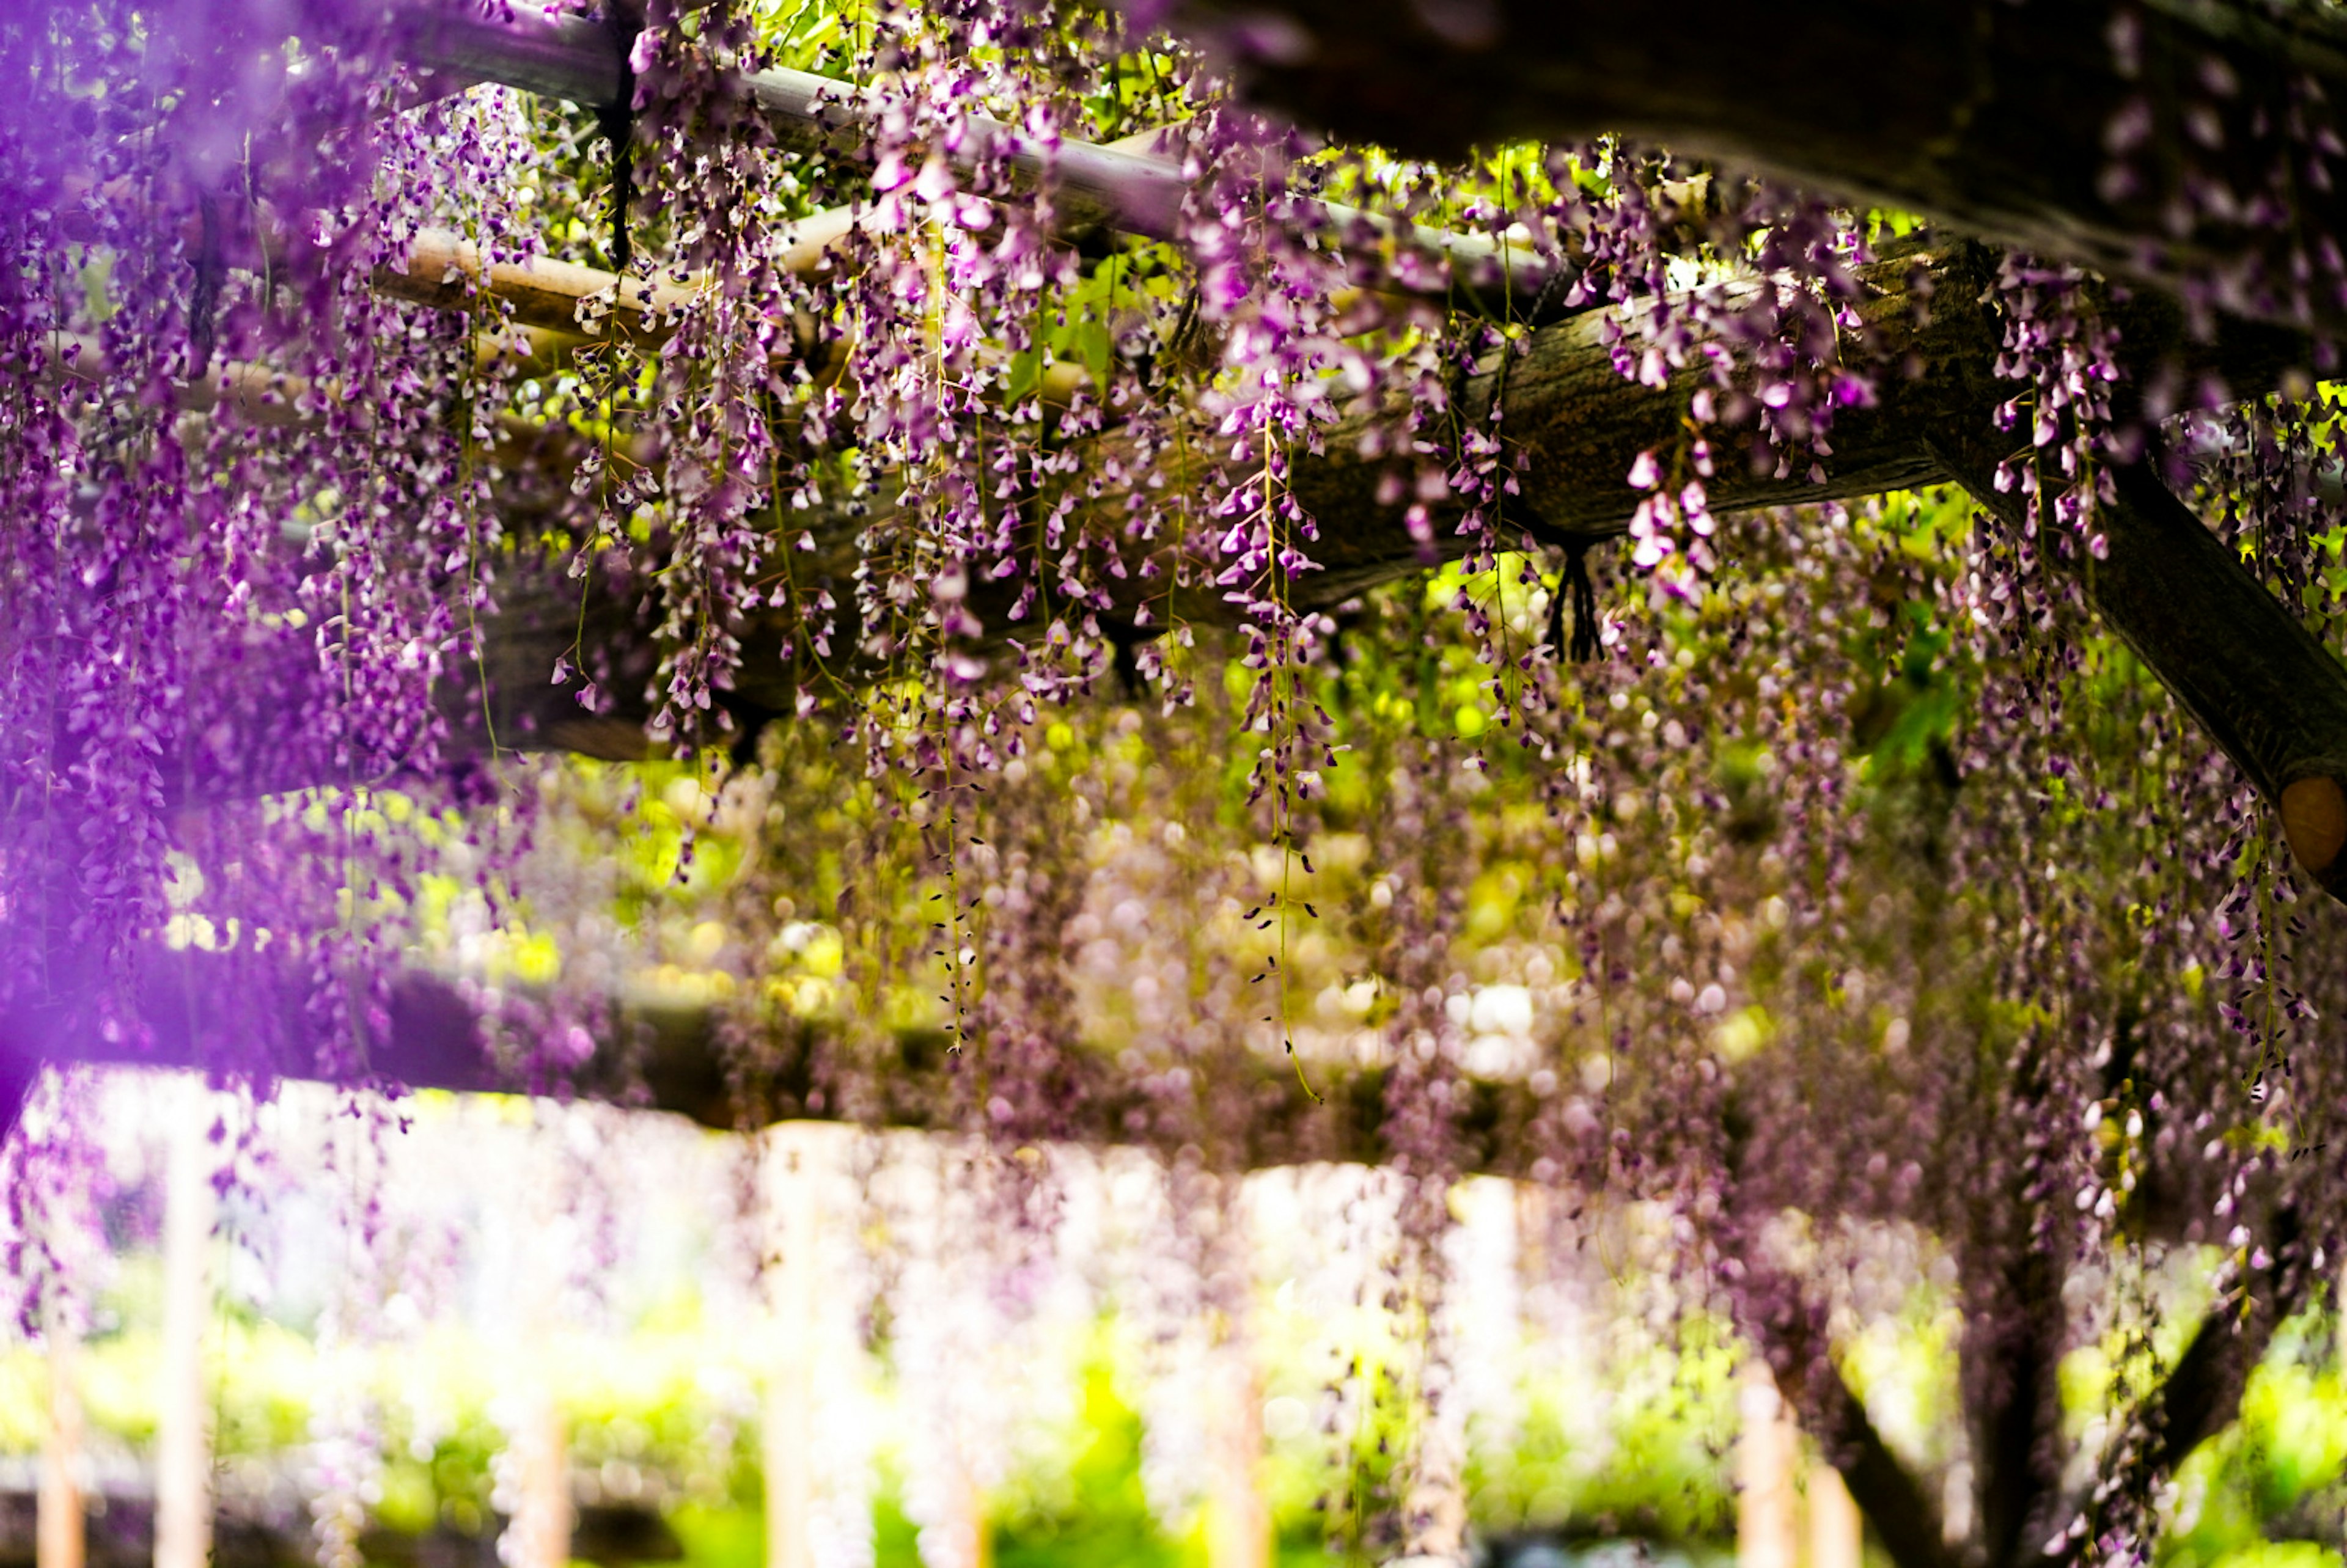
538	1533
974	1539
183	1436
60	1533
1767	1509
1836	1535
1784	1505
1238	1515
796	1159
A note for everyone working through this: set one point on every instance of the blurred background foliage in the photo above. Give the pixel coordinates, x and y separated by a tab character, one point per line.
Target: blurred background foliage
662	1416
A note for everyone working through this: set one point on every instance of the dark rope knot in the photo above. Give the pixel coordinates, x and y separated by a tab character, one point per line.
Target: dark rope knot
1574	582
616	120
203	306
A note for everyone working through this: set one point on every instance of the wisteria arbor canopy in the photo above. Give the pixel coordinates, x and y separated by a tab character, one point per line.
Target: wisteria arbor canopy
1709	607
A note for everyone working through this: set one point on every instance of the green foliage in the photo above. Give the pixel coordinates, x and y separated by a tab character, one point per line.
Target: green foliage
1657	1468
2270	1492
1094	1509
720	1535
1657	1471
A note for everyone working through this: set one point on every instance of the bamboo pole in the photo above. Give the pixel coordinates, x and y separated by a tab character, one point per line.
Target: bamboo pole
183	1455
446	269
263	395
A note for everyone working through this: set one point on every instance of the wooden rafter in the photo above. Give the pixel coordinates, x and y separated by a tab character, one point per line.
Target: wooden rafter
2272	696
2275	699
2268	693
1117	185
2067	129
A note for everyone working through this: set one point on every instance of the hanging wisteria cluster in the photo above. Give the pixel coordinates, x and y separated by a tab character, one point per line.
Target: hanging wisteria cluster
1048	753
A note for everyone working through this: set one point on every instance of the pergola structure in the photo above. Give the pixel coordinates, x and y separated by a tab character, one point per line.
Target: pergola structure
2001	139
2021	98
1996	121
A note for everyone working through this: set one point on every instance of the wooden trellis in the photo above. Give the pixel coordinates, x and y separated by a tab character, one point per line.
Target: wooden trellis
2265	690
1988	118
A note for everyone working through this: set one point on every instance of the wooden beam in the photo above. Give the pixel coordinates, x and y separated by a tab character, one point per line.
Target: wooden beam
2272	696
1575	422
2263	687
1997	120
667	1058
1092	186
2268	693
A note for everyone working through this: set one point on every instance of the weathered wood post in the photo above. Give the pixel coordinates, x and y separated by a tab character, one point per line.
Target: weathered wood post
1238	1516
60	1535
540	1531
538	1442
183	1436
1836	1535
1767	1509
796	1157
